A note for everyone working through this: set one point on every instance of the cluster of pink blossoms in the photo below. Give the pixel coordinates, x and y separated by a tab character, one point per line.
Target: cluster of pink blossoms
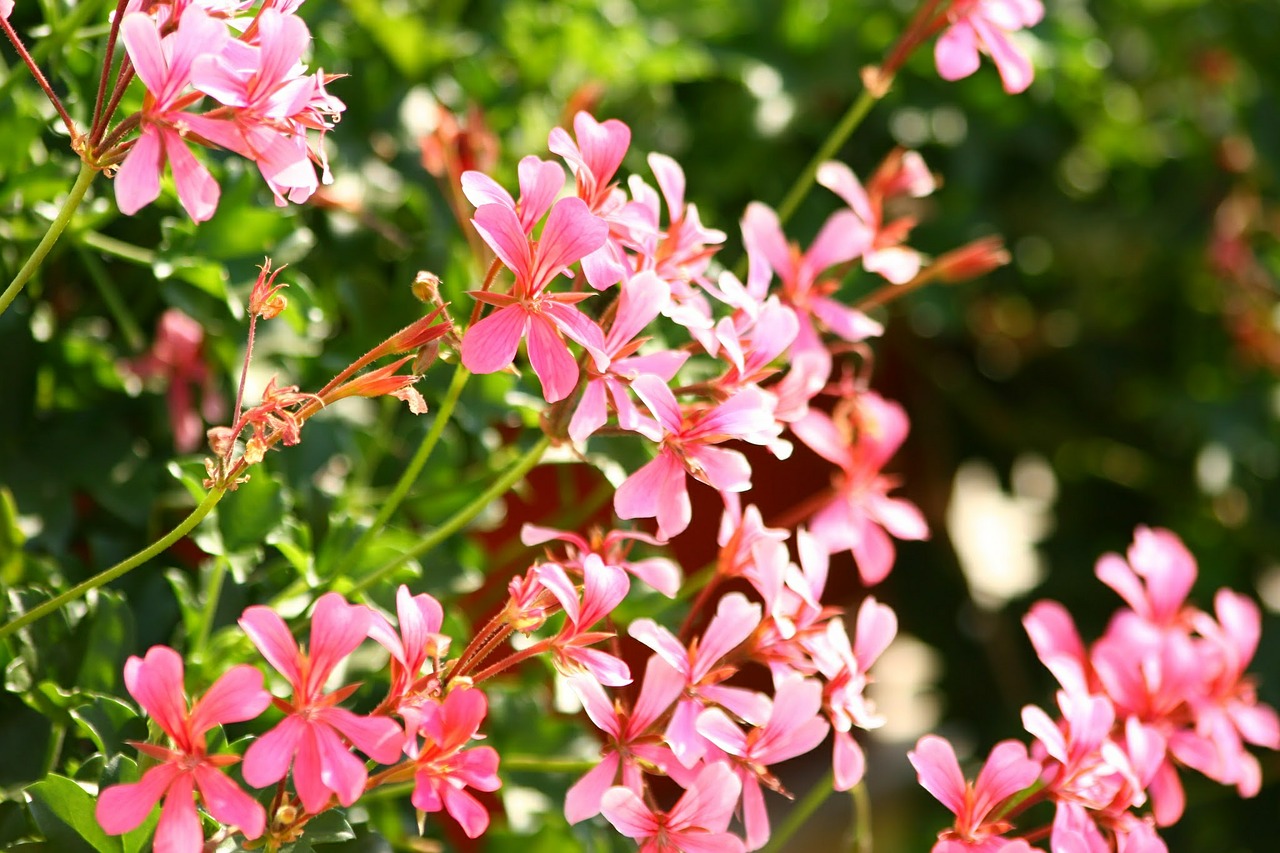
1164	687
312	745
249	64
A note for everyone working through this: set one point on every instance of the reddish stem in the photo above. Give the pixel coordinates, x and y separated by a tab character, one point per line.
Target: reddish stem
44	83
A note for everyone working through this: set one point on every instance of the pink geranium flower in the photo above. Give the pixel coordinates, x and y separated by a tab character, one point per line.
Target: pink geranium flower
688	438
156	682
443	769
695	824
794	727
1008	770
313	736
631	744
984	26
903	173
177	359
528	311
612	548
418	639
540	183
164	66
702	666
861	516
602	588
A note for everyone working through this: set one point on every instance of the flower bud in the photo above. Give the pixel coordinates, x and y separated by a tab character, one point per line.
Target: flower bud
221	440
971	260
426	287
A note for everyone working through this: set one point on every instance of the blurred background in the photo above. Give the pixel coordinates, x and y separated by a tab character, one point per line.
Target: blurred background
1123	370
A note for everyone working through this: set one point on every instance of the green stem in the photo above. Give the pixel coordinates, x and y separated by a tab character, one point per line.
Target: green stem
123	567
800	814
59	224
117	248
213	591
857	112
460	518
111	297
549	765
413	469
861	829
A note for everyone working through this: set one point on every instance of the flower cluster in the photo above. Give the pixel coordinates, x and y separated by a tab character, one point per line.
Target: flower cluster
312	745
249	64
1164	687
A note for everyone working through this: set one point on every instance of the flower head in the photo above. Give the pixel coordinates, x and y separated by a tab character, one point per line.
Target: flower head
156	682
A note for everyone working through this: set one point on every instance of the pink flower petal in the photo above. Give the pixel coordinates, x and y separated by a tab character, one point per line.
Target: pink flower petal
380	738
499	226
197	190
123	808
554	365
956	52
228	804
179	829
267	759
586	795
466	810
156	682
235	697
939	771
491	344
138	181
570	233
628	813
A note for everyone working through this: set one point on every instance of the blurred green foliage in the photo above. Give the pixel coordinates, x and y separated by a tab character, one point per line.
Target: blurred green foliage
1115	348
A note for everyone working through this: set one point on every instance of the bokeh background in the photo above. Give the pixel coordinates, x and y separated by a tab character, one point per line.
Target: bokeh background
1123	370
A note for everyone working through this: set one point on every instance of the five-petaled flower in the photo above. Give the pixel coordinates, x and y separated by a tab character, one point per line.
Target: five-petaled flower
156	682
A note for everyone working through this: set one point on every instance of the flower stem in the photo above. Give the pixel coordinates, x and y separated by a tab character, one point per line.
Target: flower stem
41	81
123	567
547	764
800	814
59	224
460	518
838	136
212	592
861	828
414	468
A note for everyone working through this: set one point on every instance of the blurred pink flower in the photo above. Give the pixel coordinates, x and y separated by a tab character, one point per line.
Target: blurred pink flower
984	26
1007	771
156	682
177	359
695	824
861	516
419	638
602	588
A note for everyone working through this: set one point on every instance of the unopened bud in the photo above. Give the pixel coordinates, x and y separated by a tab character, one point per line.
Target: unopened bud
285	816
426	357
972	260
221	440
426	286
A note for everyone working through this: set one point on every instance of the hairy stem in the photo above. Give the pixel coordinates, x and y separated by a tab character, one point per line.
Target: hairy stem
119	569
56	227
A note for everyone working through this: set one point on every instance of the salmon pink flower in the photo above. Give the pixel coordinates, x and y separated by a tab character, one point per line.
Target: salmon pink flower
862	516
688	439
703	668
164	66
1008	770
419	637
695	824
156	682
545	319
984	26
540	183
794	727
602	588
612	548
631	745
443	769
903	173
314	735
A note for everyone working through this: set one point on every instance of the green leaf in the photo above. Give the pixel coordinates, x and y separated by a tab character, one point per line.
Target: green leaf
252	512
107	721
328	828
11	539
64	812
